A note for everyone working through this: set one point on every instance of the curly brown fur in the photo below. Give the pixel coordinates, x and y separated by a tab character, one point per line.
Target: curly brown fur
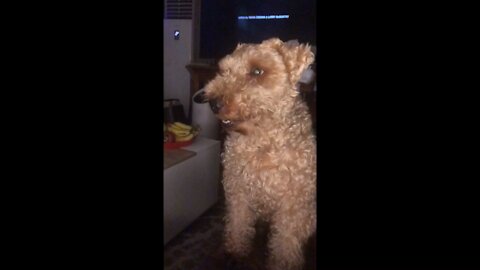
270	151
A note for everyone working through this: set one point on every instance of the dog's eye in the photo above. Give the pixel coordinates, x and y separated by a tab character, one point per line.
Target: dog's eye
257	72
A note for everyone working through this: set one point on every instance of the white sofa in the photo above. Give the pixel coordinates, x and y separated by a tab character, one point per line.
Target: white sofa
190	187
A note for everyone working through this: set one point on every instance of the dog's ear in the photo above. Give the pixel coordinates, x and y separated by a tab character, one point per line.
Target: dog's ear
297	58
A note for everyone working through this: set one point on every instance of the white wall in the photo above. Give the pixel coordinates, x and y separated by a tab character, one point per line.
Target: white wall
177	54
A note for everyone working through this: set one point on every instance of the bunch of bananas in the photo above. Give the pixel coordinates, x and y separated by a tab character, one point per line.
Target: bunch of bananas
182	132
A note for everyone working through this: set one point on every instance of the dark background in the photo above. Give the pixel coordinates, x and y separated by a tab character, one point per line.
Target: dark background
220	31
396	136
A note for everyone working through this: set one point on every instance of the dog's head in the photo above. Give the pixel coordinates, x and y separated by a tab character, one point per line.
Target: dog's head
257	80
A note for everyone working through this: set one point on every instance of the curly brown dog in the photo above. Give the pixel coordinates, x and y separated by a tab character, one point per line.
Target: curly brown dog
270	151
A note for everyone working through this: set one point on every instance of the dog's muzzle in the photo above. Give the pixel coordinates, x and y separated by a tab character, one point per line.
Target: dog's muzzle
215	105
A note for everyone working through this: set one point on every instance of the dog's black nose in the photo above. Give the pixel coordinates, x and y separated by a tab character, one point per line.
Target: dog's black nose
216	105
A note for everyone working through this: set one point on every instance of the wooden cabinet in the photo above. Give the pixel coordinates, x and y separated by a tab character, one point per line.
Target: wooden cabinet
200	75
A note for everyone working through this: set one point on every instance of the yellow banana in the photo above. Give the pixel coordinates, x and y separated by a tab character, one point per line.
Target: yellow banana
182	125
184	138
176	128
180	132
177	135
172	127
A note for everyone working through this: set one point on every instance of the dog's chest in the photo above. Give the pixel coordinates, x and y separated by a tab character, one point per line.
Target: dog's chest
255	169
262	202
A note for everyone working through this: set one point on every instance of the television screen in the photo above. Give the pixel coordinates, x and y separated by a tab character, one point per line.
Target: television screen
224	24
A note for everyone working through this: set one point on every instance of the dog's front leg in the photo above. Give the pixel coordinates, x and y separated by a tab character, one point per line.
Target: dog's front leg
290	231
239	225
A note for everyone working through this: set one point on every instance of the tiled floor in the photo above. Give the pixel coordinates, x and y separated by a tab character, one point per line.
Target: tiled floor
199	247
191	247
